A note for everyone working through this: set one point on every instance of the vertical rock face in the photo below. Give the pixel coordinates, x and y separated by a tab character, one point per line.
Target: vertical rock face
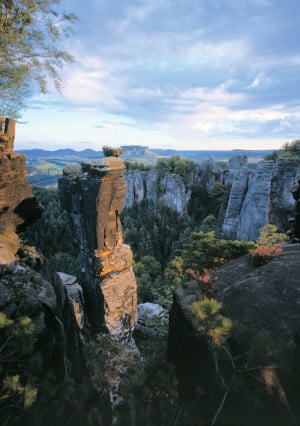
236	198
17	204
262	198
23	291
167	188
296	195
256	206
94	195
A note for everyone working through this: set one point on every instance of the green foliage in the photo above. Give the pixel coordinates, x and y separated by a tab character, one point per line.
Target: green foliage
204	204
21	395
177	165
46	234
174	271
137	165
30	35
289	150
270	236
151	230
268	245
204	250
151	391
17	391
210	321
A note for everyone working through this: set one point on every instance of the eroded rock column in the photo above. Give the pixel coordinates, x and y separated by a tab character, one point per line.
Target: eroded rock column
18	206
94	195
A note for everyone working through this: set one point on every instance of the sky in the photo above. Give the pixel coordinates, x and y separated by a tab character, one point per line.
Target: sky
181	74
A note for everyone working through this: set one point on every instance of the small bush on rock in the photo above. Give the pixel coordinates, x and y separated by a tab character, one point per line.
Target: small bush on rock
264	254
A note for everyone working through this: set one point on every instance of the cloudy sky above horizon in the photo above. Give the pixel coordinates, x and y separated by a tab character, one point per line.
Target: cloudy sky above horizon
186	74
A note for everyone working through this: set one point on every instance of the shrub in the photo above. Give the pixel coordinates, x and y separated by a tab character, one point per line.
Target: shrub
269	235
264	254
210	321
207	287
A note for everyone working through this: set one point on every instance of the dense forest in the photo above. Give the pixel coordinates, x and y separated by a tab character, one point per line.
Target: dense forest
170	252
166	247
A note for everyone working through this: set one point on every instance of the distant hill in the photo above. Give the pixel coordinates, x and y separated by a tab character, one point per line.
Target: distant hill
60	153
45	167
200	155
135	152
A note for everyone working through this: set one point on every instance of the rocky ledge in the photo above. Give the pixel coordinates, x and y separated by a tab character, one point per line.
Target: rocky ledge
263	302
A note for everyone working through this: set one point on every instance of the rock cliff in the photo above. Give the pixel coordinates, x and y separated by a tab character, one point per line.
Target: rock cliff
94	195
262	198
24	290
256	198
18	207
169	189
157	187
296	219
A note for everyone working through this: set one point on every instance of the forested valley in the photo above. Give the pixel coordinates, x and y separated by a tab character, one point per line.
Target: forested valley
168	249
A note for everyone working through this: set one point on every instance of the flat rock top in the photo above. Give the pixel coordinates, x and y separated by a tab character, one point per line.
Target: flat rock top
266	298
259	299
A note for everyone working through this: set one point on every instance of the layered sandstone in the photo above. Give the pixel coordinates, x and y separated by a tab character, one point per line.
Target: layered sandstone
17	204
94	195
262	198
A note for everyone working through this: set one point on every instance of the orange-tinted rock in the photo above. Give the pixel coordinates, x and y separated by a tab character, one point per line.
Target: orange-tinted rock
17	204
115	261
7	135
94	196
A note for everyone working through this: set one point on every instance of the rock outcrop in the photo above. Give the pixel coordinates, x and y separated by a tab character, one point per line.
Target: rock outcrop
260	199
25	292
296	195
156	187
169	189
261	301
94	195
18	206
75	294
256	198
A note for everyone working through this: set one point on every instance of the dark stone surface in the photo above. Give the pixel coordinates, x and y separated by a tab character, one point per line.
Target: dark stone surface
264	299
25	292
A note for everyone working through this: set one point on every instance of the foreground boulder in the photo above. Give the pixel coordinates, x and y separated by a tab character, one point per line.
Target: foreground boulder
264	304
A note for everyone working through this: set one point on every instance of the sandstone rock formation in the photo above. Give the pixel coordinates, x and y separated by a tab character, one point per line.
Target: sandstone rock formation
168	189
25	292
75	295
18	207
296	195
235	202
261	301
256	198
93	196
262	198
